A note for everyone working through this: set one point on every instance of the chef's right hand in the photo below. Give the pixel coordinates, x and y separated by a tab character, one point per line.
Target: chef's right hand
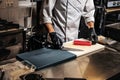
56	41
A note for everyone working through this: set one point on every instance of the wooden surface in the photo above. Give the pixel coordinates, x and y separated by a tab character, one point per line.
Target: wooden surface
112	9
1	31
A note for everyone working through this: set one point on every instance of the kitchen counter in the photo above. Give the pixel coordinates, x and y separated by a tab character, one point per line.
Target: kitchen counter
98	66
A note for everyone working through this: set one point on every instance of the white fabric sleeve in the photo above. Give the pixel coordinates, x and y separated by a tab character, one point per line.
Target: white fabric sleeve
46	12
89	10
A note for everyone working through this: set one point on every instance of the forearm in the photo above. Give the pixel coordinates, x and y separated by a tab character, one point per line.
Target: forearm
46	14
90	24
89	13
49	27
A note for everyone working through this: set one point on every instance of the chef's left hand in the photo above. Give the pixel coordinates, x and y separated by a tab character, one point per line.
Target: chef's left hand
93	36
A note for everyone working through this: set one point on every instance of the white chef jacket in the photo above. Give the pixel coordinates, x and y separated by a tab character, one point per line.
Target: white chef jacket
65	16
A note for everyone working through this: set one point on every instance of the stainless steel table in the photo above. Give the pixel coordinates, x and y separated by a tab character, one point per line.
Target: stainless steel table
99	66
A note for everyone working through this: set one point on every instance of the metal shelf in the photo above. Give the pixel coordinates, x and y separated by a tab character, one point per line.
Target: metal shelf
112	10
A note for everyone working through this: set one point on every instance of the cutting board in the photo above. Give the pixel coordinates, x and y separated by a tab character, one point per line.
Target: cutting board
80	50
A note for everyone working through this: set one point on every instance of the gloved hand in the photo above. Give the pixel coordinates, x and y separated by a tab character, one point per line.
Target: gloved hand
56	41
93	36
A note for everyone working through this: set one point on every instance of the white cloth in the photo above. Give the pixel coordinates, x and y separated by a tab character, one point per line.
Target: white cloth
65	16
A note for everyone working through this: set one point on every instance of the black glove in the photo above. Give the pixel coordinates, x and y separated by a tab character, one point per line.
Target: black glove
93	36
56	41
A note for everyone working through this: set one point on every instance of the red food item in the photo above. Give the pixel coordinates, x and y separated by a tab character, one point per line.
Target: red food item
82	42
